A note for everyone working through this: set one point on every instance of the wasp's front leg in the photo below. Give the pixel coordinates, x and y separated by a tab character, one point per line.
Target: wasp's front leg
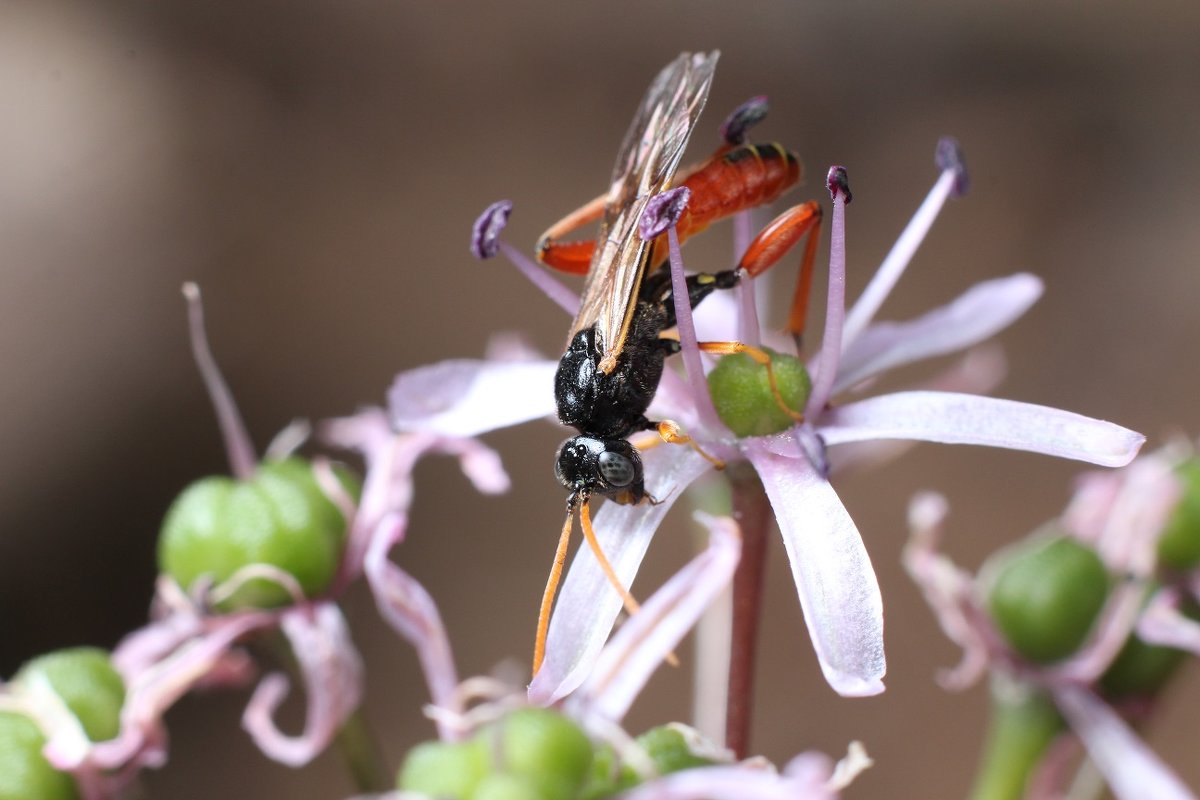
571	256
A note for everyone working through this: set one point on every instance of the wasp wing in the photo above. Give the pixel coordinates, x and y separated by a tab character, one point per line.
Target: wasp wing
645	165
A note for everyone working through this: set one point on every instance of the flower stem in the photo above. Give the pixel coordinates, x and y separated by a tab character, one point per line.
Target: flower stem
752	512
1023	723
360	750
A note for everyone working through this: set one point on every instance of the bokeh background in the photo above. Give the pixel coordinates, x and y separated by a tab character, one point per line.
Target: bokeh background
316	166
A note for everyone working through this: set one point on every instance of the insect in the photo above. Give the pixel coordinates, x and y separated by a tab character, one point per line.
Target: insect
616	351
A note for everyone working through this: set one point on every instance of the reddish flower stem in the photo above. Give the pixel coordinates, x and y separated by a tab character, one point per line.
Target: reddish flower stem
752	512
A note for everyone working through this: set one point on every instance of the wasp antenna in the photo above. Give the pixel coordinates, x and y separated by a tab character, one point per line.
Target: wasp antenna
949	156
743	118
560	557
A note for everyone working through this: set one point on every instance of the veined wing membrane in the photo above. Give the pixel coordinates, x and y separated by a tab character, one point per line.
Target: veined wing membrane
645	166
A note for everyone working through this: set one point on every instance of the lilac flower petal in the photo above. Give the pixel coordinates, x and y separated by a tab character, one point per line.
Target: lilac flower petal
974	316
838	590
469	397
663	211
1132	770
587	605
640	646
485	233
407	607
743	118
238	447
333	680
968	419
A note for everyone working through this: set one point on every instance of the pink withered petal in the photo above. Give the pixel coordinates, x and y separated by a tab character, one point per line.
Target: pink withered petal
1164	624
839	593
467	397
977	314
640	646
333	681
949	590
969	419
411	612
587	605
1132	770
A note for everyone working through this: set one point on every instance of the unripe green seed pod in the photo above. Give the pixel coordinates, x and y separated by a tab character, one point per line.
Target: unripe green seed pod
607	776
671	750
444	769
1179	546
742	394
505	786
24	772
1045	593
85	680
1140	669
546	746
279	516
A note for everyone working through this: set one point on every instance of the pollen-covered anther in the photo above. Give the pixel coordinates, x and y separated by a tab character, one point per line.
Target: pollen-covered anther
837	182
663	211
743	118
949	156
485	233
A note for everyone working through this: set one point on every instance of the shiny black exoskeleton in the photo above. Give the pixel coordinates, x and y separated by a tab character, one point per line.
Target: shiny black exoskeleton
607	407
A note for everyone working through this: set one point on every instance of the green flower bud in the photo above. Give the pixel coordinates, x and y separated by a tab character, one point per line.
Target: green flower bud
1179	546
504	786
673	747
742	394
608	775
444	769
1045	593
1140	669
280	516
24	771
546	746
87	683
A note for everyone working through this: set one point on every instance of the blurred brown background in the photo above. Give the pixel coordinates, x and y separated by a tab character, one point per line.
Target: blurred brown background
317	166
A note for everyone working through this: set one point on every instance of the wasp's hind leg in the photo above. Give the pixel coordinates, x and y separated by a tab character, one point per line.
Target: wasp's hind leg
774	242
570	256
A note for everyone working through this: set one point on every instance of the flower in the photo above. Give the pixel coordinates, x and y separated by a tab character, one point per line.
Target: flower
1117	518
834	578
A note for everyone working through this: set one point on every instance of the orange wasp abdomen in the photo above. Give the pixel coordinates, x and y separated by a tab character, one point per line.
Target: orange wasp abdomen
746	176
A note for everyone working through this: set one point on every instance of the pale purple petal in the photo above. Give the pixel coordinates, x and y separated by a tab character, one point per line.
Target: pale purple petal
651	635
333	684
408	608
587	605
1132	770
974	316
968	419
467	397
839	593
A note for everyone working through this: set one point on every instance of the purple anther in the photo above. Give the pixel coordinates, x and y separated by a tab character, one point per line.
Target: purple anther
663	211
836	182
948	155
485	234
743	118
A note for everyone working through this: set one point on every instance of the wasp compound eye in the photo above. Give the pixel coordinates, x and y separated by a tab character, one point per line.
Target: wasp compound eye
616	469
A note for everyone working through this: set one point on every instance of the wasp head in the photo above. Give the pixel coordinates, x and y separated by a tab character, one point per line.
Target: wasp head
611	467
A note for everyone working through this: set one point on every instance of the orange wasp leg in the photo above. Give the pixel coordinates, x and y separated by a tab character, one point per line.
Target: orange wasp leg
774	242
761	357
571	256
671	433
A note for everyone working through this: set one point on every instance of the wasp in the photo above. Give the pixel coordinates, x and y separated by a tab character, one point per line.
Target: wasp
616	351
